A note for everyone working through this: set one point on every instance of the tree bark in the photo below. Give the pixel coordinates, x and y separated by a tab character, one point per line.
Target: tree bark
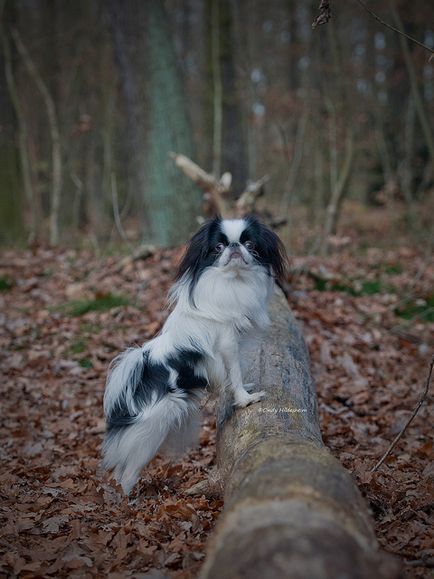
338	194
291	509
217	88
156	107
26	171
233	146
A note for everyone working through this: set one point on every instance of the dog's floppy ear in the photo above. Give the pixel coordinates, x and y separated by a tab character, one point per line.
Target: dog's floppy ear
196	250
275	254
272	250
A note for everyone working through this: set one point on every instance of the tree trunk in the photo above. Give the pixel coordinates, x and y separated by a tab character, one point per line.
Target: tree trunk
167	195
157	118
56	153
26	173
338	194
233	146
126	22
292	511
217	89
339	181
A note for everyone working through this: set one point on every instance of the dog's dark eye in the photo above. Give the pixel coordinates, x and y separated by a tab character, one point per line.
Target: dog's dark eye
249	245
219	247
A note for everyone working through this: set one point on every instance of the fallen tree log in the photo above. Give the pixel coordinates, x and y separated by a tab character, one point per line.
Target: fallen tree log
291	509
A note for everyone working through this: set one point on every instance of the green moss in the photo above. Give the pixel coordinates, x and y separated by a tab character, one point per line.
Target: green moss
86	363
393	268
98	304
422	309
369	287
354	287
5	284
92	329
78	347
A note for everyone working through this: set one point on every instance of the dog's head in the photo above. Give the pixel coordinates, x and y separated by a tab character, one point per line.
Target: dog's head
233	245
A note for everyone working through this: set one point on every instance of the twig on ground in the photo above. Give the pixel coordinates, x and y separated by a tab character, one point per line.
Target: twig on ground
363	5
428	563
409	421
407	336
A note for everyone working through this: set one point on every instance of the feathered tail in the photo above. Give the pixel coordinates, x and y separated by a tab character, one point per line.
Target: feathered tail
142	409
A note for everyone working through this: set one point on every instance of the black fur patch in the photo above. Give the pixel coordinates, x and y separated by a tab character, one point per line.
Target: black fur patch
268	249
201	252
154	379
184	364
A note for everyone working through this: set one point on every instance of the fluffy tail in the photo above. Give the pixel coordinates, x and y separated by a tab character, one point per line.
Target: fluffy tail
142	411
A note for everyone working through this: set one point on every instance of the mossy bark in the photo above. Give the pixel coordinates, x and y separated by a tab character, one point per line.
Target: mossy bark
172	201
291	509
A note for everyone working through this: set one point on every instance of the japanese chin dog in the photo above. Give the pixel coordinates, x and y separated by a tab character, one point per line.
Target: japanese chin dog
219	300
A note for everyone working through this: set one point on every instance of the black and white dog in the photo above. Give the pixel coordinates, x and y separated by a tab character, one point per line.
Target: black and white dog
220	299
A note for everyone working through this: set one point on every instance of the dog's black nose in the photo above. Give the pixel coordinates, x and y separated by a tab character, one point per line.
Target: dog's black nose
234	244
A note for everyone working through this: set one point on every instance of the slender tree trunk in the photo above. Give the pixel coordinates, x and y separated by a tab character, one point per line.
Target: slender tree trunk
333	142
234	152
338	194
217	88
318	199
56	153
26	172
342	178
295	163
126	23
407	164
11	186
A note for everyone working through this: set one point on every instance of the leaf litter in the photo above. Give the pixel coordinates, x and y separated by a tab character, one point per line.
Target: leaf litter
66	313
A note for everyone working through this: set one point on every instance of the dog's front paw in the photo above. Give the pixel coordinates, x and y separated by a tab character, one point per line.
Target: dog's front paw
245	399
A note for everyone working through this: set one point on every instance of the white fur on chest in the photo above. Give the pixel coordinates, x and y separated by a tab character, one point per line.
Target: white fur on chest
227	306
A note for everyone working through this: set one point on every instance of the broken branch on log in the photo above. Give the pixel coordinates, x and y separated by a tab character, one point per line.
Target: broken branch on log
246	202
216	189
218	192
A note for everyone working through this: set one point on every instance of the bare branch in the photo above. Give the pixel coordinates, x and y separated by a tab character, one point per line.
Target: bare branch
363	5
409	421
247	200
215	190
325	15
194	172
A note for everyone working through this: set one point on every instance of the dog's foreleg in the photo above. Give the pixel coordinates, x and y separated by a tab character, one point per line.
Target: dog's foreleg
242	397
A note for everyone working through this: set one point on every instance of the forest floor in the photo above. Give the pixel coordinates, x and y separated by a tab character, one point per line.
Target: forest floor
369	324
